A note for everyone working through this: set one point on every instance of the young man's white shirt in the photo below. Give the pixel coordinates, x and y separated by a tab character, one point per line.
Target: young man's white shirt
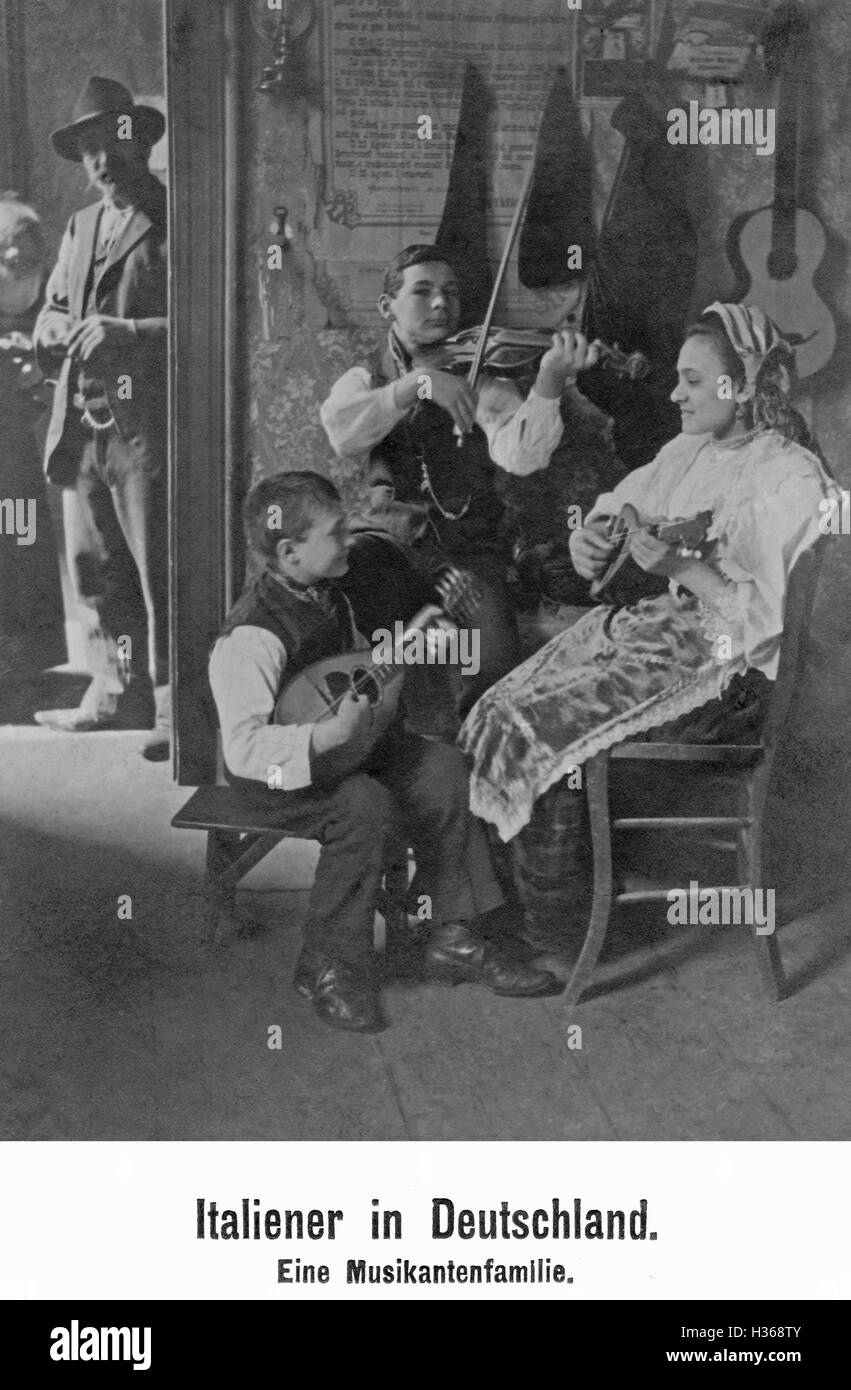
521	434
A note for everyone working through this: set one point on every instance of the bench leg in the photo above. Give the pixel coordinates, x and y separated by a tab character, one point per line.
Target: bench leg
597	791
222	849
230	856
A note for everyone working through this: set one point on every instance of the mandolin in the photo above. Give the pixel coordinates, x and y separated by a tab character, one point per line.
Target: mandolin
624	582
17	362
315	693
781	246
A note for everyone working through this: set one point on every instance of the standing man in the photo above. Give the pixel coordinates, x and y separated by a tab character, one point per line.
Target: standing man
412	409
104	324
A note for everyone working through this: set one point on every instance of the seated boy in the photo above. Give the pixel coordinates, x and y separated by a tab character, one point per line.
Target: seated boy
290	615
413	408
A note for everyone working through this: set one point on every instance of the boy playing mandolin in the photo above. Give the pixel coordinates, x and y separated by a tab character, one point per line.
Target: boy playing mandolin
409	403
289	616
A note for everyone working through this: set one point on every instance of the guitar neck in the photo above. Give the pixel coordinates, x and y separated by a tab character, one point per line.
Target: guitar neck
786	166
787	50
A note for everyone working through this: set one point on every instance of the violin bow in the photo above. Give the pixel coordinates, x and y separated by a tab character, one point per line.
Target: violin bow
478	356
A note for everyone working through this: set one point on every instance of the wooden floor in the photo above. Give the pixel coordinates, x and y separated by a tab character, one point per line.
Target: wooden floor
120	1029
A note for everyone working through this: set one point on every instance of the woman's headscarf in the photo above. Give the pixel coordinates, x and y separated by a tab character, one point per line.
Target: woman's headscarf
753	335
768	360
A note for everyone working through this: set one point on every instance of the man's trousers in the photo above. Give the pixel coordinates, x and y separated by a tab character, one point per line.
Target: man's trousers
116	536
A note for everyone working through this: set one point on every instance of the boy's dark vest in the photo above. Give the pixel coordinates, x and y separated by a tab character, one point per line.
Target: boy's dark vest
309	629
425	435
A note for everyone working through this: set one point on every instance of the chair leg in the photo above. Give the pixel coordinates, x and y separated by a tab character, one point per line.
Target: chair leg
749	854
597	791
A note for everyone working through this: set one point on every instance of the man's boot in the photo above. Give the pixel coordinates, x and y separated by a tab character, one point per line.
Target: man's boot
455	955
343	995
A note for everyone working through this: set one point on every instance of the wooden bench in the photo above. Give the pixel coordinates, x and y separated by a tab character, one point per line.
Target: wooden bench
235	843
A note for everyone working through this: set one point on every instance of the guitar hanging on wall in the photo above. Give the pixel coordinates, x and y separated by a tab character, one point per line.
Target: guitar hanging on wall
780	247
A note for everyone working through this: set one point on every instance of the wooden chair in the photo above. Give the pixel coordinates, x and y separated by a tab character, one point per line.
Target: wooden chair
235	843
748	766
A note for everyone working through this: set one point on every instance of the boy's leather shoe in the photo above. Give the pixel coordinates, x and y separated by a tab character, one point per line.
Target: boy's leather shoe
455	956
339	996
309	966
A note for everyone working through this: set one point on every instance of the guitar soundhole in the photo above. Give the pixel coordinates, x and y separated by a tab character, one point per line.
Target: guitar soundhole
365	684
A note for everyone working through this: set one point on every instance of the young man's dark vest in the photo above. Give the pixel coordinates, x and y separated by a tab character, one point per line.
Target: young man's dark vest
309	629
457	477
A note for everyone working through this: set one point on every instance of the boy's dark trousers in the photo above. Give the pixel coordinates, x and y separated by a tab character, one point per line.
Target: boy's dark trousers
413	787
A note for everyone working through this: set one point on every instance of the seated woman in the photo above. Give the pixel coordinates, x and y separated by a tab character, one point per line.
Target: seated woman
691	654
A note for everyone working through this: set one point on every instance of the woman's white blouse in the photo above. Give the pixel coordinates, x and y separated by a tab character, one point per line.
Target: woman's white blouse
766	497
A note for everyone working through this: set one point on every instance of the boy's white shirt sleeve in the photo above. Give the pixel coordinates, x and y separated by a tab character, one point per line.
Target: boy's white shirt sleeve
246	668
521	434
357	415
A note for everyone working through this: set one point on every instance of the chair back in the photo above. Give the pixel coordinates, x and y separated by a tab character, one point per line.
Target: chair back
800	596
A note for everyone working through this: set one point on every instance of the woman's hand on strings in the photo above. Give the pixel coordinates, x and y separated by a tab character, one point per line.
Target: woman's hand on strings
570	353
590	549
655	556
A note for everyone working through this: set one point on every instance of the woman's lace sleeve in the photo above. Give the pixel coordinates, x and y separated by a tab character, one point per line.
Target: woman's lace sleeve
724	618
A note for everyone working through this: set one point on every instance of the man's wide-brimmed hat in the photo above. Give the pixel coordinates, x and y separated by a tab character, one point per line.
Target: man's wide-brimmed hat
103	98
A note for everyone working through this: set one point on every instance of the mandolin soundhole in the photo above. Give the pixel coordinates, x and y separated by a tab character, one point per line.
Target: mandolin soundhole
364	683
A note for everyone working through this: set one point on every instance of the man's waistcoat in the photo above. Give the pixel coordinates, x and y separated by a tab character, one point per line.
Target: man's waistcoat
428	466
133	285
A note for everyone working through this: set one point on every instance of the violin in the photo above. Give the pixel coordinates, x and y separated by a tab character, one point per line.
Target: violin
516	352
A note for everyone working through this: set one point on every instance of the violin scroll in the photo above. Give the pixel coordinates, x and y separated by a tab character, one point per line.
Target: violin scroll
632	365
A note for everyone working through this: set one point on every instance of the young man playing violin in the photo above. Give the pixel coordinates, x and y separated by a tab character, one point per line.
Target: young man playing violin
406	401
